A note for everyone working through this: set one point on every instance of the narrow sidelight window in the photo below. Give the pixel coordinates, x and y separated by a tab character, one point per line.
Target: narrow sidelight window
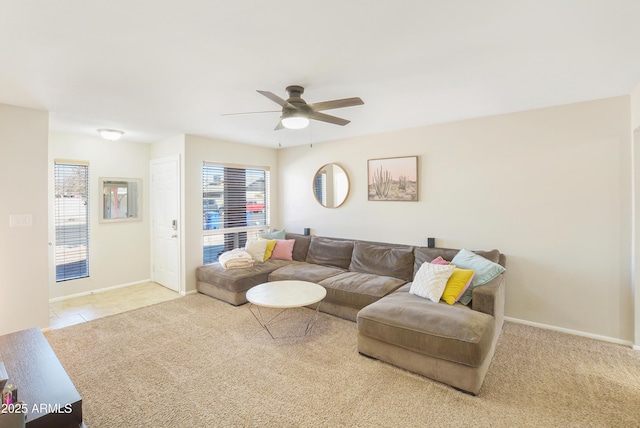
71	220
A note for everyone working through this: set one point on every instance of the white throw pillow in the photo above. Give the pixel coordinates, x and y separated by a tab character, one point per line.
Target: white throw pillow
431	280
257	249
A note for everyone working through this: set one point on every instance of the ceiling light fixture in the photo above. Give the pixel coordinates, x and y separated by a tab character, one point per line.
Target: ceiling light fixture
111	134
295	120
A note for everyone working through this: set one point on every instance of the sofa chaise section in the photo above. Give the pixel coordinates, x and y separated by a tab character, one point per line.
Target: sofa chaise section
453	344
232	285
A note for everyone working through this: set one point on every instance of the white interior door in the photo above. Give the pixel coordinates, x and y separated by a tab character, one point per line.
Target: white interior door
165	222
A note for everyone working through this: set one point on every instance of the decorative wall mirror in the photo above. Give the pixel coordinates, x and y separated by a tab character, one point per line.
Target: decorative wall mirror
121	199
331	185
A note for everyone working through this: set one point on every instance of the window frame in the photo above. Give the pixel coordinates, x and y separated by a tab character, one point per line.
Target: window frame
72	243
220	196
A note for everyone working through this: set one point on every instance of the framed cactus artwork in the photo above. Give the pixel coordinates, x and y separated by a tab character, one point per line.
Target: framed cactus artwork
393	179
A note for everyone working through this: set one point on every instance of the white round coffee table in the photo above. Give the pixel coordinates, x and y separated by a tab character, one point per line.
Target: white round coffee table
284	295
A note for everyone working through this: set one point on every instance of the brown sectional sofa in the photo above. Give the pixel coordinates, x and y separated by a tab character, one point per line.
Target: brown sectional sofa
453	344
368	282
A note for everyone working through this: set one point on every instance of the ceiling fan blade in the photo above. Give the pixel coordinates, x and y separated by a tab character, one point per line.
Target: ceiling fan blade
276	99
328	105
327	118
251	112
279	126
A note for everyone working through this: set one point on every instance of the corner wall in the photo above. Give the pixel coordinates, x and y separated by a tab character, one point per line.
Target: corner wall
635	135
550	188
23	250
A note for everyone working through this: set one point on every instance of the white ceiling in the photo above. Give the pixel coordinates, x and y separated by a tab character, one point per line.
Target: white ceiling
158	68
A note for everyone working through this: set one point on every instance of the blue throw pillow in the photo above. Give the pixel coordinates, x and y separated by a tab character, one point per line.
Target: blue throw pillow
274	234
485	270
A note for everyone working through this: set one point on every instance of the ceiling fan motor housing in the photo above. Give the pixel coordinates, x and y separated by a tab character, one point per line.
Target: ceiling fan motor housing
295	96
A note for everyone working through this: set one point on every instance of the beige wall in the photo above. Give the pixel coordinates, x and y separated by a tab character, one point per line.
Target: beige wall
550	188
119	252
23	250
635	108
197	150
173	146
635	131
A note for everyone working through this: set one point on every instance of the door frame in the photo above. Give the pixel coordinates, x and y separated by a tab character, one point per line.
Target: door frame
635	228
180	263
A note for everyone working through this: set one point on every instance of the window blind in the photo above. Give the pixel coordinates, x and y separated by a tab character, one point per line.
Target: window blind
235	207
71	220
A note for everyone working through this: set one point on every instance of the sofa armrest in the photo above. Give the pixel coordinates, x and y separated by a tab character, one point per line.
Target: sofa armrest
489	298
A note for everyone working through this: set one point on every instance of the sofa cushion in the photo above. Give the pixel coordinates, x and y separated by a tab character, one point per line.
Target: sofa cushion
453	333
425	254
457	284
330	252
271	244
431	280
283	249
301	246
485	270
237	280
274	234
358	290
378	259
257	249
304	272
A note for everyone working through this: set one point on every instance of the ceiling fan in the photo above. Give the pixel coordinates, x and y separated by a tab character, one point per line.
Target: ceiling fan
296	112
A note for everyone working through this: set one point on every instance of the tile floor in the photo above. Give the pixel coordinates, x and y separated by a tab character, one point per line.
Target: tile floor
85	308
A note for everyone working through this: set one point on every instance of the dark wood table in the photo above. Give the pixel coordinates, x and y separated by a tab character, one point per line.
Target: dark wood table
43	384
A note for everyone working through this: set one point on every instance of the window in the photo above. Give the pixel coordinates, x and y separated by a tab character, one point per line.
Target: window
235	207
71	220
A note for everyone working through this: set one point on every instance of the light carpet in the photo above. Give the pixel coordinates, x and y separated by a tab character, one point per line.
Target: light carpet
198	362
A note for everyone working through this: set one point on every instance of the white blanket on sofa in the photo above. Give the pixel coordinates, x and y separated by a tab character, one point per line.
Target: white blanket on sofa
235	259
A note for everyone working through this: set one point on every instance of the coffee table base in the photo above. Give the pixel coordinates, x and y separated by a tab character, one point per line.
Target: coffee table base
279	316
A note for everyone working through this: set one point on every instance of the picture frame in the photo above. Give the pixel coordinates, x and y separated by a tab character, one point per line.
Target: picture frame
121	199
393	179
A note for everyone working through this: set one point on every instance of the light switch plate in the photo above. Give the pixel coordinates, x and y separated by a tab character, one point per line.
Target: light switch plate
20	220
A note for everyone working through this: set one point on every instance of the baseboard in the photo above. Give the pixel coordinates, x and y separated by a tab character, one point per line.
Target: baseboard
100	290
186	293
575	332
636	347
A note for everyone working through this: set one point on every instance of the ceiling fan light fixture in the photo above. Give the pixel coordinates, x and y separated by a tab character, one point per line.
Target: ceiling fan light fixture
295	121
111	134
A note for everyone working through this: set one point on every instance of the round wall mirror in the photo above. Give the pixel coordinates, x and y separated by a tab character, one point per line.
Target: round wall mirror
331	185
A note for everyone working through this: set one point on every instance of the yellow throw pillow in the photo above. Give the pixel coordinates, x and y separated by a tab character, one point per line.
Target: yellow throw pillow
270	246
457	284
